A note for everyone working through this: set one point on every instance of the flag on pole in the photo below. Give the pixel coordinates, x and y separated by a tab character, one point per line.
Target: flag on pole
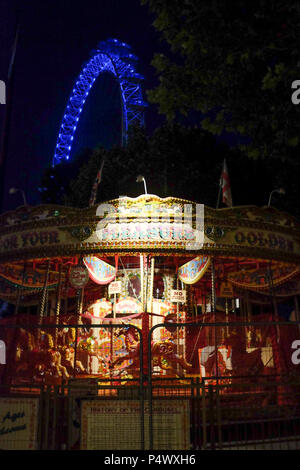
96	184
225	186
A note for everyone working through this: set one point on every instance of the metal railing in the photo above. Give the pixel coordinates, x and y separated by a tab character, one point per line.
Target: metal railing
217	411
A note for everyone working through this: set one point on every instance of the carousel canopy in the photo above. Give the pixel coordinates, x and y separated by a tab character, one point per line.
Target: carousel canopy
149	224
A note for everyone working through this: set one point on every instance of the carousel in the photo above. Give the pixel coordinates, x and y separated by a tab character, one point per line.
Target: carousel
95	293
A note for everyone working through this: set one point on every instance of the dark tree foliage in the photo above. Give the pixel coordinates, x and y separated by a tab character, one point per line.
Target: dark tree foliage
55	182
175	161
233	61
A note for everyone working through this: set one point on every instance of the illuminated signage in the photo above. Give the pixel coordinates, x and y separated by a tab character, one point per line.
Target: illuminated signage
128	305
146	232
263	240
29	240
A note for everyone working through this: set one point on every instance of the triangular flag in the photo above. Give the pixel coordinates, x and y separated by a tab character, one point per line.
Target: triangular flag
95	185
225	185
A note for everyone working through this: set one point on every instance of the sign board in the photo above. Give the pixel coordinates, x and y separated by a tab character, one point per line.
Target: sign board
226	290
178	295
116	425
18	423
129	305
78	277
115	287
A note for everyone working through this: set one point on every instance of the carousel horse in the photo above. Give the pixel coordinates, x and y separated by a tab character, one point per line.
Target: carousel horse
43	363
207	360
250	365
49	368
244	363
66	336
28	356
163	353
67	361
57	363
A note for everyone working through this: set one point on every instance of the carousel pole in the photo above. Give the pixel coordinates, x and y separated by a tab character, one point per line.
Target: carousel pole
151	287
115	306
66	291
43	299
44	292
112	334
145	321
19	292
227	313
247	314
271	286
142	279
147	280
177	320
275	312
213	306
184	319
152	283
58	302
80	294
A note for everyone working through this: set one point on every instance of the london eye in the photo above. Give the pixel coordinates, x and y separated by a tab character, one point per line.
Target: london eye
116	58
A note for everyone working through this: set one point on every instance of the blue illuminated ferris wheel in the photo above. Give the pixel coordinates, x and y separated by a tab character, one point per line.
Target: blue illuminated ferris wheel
111	56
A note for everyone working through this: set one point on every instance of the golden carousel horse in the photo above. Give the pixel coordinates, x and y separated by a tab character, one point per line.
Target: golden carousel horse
163	354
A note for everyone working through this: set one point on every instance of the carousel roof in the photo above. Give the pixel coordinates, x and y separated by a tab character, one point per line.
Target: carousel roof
149	224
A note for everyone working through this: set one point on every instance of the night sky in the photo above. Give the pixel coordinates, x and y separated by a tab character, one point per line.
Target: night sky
56	39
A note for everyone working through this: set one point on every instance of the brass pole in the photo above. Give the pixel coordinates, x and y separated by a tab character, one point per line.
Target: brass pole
43	300
19	291
44	291
58	302
213	304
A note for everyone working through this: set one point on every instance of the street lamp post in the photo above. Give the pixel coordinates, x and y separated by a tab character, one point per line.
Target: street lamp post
15	190
279	191
141	179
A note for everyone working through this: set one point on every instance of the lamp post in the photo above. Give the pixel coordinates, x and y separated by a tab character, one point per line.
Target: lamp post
141	179
15	190
279	191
